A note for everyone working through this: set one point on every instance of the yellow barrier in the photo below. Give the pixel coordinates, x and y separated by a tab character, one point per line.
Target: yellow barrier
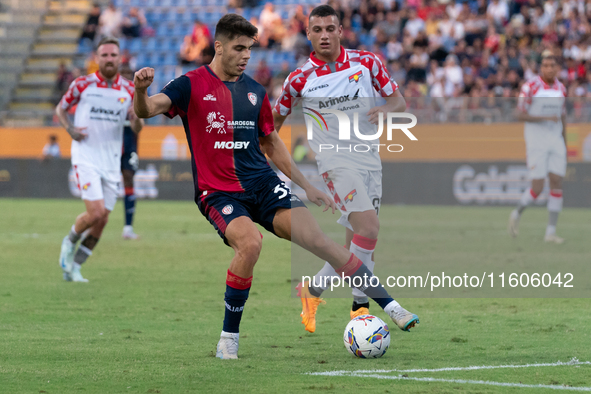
436	142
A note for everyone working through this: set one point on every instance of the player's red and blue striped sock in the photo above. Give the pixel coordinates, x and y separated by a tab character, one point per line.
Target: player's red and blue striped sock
361	277
129	205
237	290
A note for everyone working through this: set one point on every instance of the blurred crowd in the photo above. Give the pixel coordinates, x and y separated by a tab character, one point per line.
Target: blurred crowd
473	50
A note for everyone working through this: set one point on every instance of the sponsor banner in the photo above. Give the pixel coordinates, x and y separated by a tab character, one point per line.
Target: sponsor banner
457	183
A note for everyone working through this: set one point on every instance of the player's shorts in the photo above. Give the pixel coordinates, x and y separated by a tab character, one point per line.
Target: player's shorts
545	156
129	158
260	205
95	186
354	191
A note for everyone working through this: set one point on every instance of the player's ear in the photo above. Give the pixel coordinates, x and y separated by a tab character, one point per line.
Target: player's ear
308	33
219	48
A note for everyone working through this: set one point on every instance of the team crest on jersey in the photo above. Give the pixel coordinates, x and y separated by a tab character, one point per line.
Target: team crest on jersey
209	97
86	186
349	197
122	100
216	122
228	209
355	77
253	98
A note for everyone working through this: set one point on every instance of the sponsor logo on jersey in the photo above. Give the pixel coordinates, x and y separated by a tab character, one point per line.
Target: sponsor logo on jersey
231	145
86	186
228	209
338	100
317	117
349	197
253	98
99	110
355	77
209	97
215	121
317	88
122	100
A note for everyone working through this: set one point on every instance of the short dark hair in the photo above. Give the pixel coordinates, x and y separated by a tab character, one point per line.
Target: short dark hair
548	55
108	40
232	26
322	11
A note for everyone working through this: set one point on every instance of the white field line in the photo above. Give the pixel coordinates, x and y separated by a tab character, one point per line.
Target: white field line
574	361
484	382
378	374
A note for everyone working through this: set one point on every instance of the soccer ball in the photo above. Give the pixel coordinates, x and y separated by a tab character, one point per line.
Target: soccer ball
367	336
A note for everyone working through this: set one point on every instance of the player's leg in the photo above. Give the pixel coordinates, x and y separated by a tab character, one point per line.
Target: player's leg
538	168
554	208
89	184
305	232
129	204
244	237
101	210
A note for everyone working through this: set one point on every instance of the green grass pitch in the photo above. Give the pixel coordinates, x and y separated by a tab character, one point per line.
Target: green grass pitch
150	318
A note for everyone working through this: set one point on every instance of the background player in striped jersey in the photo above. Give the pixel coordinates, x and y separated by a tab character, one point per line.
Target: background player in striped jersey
227	115
103	99
353	178
541	107
129	164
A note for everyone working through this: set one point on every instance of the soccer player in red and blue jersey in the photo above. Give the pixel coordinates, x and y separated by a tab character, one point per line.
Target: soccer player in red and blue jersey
228	119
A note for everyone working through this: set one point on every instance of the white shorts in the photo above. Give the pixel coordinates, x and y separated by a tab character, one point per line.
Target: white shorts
94	186
354	191
545	157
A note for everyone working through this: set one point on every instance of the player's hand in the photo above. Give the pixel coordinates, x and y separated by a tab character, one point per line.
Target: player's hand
77	133
317	197
374	113
143	78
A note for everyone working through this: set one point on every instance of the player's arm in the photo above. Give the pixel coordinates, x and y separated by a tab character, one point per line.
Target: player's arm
143	105
77	133
394	103
274	147
135	123
278	120
563	119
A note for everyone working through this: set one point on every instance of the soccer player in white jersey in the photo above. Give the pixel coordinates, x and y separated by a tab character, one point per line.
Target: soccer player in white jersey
102	100
541	106
353	179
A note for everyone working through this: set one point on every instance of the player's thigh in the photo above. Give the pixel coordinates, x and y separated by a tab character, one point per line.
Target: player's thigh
537	163
557	166
221	209
273	199
355	192
110	192
89	182
245	238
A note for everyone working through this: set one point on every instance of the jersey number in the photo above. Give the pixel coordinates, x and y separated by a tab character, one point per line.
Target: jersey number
281	189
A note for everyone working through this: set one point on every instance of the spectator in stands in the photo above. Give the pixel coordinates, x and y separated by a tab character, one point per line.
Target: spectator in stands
63	79
198	47
271	25
92	24
91	63
51	149
133	23
263	75
110	21
128	61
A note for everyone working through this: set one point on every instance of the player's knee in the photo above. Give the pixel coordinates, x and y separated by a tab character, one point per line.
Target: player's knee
370	230
250	249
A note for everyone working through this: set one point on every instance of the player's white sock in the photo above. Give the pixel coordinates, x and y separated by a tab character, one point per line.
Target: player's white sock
554	208
321	280
363	248
73	236
527	198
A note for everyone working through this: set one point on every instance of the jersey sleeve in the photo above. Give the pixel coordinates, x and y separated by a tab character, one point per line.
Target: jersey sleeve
266	124
525	96
179	92
72	96
380	78
292	88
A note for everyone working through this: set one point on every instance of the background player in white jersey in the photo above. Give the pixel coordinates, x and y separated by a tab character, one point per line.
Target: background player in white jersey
333	75
541	106
102	100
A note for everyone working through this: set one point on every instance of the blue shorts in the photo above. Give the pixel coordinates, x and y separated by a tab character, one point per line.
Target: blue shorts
129	157
260	205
